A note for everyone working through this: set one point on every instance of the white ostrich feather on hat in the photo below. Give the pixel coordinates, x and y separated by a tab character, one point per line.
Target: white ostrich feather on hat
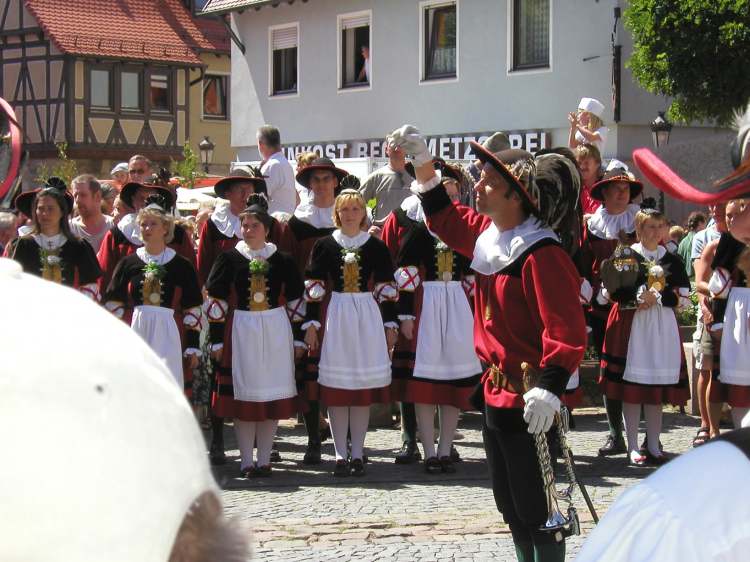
741	144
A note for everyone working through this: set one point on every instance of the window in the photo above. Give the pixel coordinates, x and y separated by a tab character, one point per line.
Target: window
356	68
284	60
440	45
215	97
130	91
159	92
530	34
101	88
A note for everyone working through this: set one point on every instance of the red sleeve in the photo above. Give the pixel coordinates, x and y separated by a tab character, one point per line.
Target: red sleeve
206	255
390	234
108	257
186	249
458	226
551	285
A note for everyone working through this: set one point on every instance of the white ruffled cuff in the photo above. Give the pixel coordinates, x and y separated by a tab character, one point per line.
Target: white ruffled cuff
217	346
309	323
314	290
407	278
720	283
215	309
403	317
192	318
91	290
385	292
420	188
586	291
301	344
602	297
392	325
192	351
116	308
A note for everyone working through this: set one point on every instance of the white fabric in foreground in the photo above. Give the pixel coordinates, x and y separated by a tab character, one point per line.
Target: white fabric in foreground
156	325
354	354
495	249
262	356
735	341
443	350
669	518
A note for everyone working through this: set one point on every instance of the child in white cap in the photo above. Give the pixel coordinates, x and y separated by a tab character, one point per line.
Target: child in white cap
587	126
120	174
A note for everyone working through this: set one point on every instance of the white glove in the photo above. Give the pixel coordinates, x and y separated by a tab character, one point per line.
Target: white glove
540	409
410	140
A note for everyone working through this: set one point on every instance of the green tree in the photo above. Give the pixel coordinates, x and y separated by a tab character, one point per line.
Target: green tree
64	168
694	51
188	168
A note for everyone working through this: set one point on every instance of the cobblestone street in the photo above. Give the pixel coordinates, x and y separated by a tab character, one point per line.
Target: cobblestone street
398	512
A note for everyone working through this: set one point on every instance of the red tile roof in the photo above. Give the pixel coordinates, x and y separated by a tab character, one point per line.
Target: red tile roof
150	30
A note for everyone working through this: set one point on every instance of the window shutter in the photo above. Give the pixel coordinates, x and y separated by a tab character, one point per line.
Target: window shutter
350	22
285	38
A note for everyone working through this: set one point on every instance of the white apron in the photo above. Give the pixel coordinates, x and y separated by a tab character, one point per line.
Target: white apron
156	325
445	341
654	348
354	354
574	381
262	356
735	343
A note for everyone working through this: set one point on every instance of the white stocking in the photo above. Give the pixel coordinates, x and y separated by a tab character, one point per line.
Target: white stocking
426	423
338	419
737	415
448	423
653	415
265	433
245	432
359	420
631	414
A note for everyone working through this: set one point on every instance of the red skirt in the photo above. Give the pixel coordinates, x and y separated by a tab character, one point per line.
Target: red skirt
734	395
614	356
258	411
361	397
447	393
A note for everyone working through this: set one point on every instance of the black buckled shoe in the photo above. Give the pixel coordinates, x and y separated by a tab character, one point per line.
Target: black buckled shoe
446	465
275	455
263	471
408	454
613	447
341	468
433	466
357	467
312	455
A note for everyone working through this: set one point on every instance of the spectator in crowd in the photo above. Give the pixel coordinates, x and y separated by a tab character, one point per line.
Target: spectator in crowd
91	224
120	174
389	185
590	163
139	169
675	235
364	74
304	159
109	194
165	504
282	195
120	209
696	222
587	126
7	229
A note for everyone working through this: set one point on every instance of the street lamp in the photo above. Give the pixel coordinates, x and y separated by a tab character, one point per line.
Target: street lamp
206	148
660	131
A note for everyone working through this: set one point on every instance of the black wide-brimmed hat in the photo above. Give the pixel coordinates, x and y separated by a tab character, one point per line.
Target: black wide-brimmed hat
129	190
241	174
614	176
517	168
324	164
24	202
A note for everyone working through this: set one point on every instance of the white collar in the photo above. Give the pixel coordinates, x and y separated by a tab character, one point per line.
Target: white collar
495	250
50	242
159	259
656	255
608	226
227	222
128	225
350	242
319	217
264	253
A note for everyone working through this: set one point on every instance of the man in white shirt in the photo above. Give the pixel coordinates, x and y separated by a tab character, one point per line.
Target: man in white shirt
282	193
91	224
